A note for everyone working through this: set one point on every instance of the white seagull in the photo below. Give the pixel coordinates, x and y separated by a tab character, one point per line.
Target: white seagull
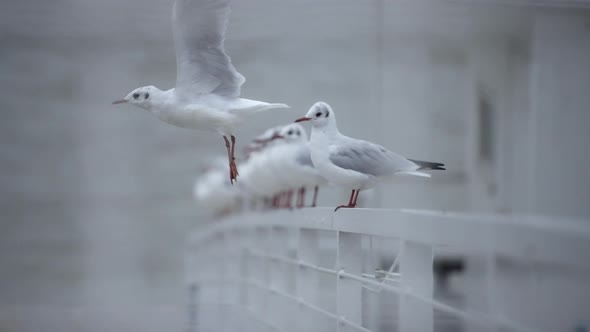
208	86
293	162
354	163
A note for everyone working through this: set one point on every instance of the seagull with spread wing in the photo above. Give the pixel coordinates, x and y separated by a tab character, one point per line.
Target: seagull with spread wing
208	86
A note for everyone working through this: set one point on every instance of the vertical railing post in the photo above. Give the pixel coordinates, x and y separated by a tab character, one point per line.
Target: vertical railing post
192	307
279	277
307	280
243	267
349	258
248	264
230	250
417	278
253	272
222	295
260	273
371	308
191	262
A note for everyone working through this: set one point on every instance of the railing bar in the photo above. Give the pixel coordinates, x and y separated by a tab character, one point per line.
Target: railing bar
311	306
372	276
394	264
292	261
478	318
482	319
283	294
511	247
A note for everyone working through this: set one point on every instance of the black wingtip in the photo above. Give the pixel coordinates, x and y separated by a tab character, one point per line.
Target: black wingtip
428	165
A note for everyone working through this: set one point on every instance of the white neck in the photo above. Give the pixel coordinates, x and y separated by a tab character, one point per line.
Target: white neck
328	131
162	101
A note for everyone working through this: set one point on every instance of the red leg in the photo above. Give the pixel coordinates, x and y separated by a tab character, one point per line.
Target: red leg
276	200
233	169
233	157
229	157
301	198
351	201
289	199
281	199
356	197
315	196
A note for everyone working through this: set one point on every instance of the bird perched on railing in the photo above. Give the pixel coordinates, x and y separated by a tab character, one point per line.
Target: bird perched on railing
208	86
293	165
257	180
279	164
353	163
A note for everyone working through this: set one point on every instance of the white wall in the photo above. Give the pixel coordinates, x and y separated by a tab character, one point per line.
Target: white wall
560	100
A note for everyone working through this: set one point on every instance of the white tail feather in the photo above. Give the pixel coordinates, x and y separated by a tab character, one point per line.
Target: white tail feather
415	173
259	108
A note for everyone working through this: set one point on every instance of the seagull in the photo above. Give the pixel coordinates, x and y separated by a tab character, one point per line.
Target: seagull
206	96
293	160
354	163
258	180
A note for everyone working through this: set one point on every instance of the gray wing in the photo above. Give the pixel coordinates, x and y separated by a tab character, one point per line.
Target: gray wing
202	66
368	158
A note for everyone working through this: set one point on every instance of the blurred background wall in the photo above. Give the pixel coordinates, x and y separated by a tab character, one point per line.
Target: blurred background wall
96	199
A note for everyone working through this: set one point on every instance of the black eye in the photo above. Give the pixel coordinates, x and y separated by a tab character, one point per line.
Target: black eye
327	113
318	114
135	95
298	133
290	132
147	95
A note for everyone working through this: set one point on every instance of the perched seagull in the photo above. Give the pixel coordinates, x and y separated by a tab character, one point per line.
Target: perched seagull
353	163
208	86
258	181
293	162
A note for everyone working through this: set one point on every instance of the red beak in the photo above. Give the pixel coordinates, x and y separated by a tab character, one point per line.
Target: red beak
302	119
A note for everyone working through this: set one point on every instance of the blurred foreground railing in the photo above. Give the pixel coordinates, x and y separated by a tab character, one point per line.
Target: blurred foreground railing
372	270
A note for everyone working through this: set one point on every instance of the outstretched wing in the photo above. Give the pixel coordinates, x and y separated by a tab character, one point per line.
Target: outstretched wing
202	66
369	158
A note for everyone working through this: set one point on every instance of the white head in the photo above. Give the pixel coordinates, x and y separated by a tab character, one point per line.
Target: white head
321	115
293	132
142	97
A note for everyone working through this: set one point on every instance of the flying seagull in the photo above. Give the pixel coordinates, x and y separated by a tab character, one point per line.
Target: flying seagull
207	92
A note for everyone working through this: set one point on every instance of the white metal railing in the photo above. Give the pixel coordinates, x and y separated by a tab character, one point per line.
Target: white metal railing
315	270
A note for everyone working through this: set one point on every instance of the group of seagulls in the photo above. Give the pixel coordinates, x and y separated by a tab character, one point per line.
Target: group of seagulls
281	164
275	173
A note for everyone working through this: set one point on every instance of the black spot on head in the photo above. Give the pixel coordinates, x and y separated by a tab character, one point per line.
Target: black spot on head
135	95
318	114
147	95
327	114
290	132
